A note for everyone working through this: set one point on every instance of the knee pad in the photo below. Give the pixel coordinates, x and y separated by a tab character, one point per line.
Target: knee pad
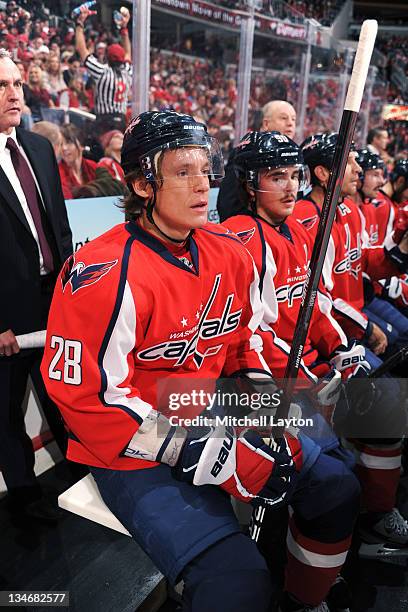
327	505
230	576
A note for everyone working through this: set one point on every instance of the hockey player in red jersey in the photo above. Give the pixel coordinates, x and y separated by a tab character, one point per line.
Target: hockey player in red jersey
166	301
348	257
270	171
379	224
391	199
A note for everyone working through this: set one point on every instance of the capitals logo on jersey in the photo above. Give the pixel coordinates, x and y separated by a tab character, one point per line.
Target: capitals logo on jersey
246	235
352	255
179	350
310	222
373	234
79	275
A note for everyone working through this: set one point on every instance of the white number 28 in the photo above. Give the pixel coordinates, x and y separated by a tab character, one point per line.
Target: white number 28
72	354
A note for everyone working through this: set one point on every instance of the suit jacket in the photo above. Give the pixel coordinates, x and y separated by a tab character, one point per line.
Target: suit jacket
228	200
20	303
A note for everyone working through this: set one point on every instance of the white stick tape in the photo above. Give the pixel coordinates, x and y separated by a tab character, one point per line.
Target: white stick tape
33	340
361	64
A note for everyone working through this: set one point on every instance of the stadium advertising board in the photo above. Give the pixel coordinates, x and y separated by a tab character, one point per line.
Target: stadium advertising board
218	15
91	217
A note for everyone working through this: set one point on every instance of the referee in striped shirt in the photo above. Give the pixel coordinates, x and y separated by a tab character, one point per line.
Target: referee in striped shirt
113	80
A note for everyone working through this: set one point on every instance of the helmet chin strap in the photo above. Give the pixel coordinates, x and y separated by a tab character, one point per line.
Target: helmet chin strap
149	213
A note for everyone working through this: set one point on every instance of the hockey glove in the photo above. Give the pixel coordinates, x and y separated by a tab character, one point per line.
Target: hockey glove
326	393
244	467
353	365
351	361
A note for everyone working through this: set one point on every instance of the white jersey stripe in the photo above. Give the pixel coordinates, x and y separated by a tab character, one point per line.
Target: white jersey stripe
351	313
115	364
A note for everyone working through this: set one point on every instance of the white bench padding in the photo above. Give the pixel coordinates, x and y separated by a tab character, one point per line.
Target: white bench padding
83	498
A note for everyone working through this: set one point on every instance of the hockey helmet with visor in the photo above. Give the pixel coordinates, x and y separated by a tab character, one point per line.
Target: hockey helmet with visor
273	157
151	134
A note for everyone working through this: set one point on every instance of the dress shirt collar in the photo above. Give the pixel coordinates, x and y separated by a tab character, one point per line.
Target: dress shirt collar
3	139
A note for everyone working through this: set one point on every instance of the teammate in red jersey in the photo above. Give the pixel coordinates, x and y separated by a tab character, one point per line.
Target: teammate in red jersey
391	198
270	171
379	224
348	257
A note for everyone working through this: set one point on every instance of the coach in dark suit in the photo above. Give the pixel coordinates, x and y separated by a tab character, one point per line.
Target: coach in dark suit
35	239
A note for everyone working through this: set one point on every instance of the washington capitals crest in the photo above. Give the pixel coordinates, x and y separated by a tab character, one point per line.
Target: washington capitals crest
310	222
78	275
246	235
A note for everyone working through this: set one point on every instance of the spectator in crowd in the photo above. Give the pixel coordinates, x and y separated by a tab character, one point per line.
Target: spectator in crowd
35	239
75	170
51	132
53	79
377	142
76	96
73	69
112	145
112	80
103	185
278	115
35	95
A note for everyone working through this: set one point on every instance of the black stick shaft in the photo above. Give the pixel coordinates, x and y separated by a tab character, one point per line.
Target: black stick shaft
389	363
326	221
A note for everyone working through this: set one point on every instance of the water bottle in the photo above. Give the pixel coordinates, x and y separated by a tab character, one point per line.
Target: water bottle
118	19
77	11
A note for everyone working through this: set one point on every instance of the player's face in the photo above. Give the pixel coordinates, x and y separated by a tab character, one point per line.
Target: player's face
182	198
373	180
277	193
350	181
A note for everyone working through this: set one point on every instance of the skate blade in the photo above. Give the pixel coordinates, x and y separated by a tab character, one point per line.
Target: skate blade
382	550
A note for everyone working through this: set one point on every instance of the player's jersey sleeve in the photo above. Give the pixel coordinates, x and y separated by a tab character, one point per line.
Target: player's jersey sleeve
375	262
245	351
88	365
325	332
352	321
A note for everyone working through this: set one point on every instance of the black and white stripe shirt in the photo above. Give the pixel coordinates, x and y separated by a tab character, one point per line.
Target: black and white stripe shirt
112	88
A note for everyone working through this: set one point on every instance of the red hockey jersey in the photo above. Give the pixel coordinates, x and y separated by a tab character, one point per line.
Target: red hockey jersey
128	316
348	258
379	217
386	213
282	255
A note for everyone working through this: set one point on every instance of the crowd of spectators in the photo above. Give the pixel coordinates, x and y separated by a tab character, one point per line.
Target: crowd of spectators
196	81
324	11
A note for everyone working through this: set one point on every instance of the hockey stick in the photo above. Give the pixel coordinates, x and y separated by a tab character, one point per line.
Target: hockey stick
389	363
348	121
